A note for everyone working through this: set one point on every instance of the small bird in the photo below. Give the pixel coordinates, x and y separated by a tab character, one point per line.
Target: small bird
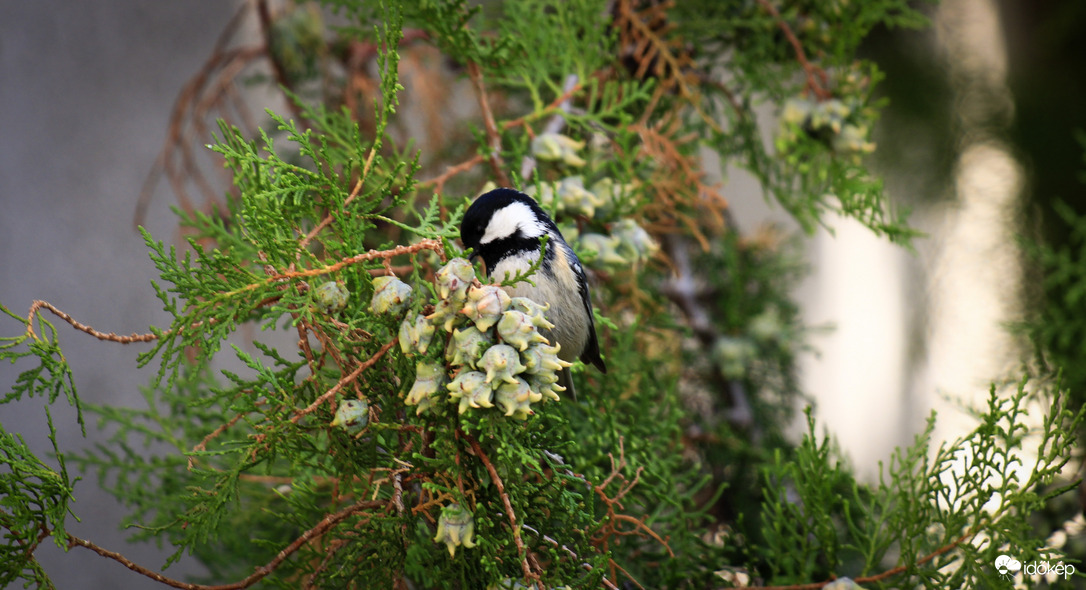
505	227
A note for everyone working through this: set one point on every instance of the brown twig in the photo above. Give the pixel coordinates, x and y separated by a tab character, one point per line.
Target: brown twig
560	104
478	449
202	445
493	137
615	502
426	244
344	381
687	294
111	337
261	572
440	180
813	72
556	104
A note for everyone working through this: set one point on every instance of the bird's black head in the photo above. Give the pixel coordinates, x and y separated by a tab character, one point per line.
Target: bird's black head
504	222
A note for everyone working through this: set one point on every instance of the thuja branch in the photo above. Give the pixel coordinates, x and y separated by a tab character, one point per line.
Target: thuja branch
350	197
888	573
37	305
111	337
261	572
345	381
425	244
528	573
816	77
557	106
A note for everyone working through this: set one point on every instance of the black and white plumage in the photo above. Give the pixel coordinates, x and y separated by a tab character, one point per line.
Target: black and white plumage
505	227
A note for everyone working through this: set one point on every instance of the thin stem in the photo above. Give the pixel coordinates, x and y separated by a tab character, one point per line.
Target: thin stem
261	572
528	573
493	137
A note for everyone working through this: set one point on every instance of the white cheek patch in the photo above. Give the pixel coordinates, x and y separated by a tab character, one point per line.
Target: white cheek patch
506	221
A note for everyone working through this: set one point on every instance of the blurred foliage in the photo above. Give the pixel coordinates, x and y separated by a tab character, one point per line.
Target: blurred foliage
361	458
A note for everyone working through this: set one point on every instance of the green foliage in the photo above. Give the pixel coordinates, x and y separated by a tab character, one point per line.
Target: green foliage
51	377
33	504
931	506
1057	329
668	471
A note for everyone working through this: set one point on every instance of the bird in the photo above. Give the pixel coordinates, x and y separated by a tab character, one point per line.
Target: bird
505	227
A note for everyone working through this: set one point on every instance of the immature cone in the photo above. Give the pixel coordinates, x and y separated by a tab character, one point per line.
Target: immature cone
575	198
331	297
546	385
516	398
471	388
533	310
454	278
430	378
733	354
557	147
541	359
485	305
767	326
455	527
842	584
468	344
607	192
390	295
518	330
635	244
415	335
830	114
853	138
796	110
352	415
444	314
500	361
605	247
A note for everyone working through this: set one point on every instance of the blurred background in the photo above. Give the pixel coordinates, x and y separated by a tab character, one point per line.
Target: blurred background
977	140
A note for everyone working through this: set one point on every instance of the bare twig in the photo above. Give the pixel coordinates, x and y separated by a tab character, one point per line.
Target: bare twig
185	99
440	180
493	137
264	12
261	572
344	381
111	337
561	103
816	76
426	244
202	445
615	502
528	573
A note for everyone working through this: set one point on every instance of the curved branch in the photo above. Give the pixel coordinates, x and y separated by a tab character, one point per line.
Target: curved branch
111	337
261	572
528	573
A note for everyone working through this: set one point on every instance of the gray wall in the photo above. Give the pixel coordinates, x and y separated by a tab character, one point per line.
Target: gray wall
85	94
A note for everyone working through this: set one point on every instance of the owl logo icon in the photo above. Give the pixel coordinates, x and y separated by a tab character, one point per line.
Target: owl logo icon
1007	566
